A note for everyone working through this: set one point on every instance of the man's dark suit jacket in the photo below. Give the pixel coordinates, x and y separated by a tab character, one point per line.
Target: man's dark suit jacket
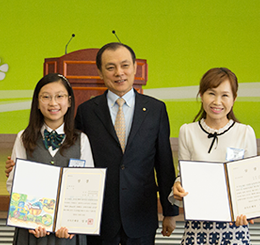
131	191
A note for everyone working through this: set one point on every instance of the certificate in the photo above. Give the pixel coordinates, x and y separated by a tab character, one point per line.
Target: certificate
54	197
221	191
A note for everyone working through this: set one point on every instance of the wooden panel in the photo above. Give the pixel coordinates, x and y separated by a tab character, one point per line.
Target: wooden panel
4	203
85	93
80	70
141	71
50	67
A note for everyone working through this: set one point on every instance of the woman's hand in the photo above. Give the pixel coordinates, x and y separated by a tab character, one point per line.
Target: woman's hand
178	191
39	232
63	233
241	220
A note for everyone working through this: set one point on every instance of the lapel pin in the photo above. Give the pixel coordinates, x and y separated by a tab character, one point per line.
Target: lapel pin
144	109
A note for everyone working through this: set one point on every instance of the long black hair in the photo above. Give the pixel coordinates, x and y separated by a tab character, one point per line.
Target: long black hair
36	121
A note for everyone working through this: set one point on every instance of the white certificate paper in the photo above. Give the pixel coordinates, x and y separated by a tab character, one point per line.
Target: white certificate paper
221	191
53	197
244	180
208	195
81	198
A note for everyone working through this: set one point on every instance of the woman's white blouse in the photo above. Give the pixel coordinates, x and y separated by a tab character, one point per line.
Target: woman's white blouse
194	144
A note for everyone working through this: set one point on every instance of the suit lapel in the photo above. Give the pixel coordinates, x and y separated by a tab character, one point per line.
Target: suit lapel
140	113
103	114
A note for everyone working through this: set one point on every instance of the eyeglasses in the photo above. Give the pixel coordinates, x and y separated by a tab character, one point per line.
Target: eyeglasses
59	98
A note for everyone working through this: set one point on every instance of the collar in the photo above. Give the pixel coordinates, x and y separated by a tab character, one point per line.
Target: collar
128	97
59	130
218	131
212	133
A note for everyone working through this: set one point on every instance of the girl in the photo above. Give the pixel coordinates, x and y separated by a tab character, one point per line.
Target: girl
215	136
52	114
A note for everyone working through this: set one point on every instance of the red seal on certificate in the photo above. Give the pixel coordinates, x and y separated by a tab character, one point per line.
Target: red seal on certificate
90	221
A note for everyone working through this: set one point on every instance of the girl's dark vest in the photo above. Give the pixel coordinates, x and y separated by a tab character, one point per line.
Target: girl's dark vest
40	154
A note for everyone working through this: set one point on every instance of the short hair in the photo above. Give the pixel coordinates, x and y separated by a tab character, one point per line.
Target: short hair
112	46
212	79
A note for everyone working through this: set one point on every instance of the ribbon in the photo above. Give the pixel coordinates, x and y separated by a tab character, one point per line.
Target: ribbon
52	139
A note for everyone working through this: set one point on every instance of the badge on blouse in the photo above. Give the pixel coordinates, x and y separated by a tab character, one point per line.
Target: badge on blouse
234	154
76	163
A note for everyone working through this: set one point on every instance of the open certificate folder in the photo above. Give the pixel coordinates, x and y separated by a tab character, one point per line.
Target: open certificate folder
221	191
53	197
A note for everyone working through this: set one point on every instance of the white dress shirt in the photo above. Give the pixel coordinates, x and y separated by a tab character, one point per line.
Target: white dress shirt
128	108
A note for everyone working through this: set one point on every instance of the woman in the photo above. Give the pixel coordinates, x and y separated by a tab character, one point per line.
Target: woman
215	135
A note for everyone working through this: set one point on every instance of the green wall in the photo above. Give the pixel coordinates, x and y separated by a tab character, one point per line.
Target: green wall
181	40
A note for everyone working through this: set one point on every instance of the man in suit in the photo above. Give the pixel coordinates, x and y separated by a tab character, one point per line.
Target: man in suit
130	202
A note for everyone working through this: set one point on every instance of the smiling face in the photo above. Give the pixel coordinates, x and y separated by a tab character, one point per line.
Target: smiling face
118	70
217	103
53	110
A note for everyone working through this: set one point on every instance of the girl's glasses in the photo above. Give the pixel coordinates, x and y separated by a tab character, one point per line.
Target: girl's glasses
59	98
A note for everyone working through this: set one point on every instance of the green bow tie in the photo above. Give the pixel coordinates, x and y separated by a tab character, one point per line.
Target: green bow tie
52	139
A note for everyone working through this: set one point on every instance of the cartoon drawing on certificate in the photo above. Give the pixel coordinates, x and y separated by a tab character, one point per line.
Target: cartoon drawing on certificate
28	210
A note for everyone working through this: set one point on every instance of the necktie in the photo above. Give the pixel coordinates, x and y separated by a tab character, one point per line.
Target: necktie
120	123
52	139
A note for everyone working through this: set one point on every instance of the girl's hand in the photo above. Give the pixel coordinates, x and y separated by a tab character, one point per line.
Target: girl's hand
178	191
39	232
63	233
241	220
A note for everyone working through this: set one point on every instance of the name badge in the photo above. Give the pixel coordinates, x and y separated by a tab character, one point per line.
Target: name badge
76	163
234	154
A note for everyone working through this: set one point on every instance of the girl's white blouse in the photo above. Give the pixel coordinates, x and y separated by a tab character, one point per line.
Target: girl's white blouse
20	152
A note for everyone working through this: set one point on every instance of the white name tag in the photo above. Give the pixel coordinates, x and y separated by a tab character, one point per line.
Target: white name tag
77	163
234	154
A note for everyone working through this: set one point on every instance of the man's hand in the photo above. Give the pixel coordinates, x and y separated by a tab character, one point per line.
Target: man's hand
9	166
168	225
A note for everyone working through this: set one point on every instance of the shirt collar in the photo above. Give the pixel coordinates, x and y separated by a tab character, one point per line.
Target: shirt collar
59	130
128	97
